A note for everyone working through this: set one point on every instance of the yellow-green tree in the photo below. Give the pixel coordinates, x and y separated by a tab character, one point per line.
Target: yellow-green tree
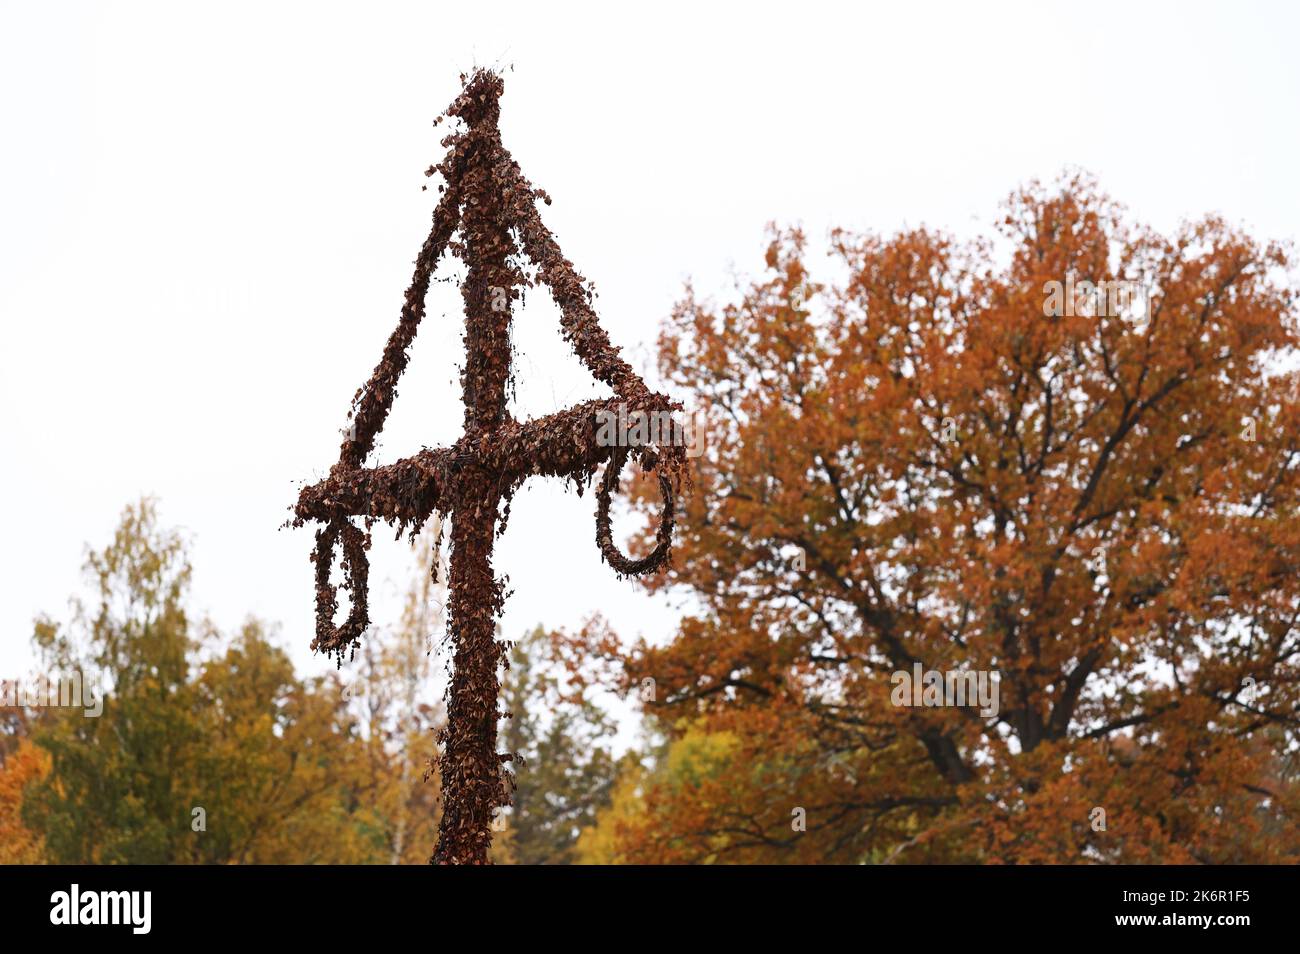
279	770
208	749
118	785
564	770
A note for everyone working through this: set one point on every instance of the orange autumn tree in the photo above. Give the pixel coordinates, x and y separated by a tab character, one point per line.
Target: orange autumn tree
21	764
930	461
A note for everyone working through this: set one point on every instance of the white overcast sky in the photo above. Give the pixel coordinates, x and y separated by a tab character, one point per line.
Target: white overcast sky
208	215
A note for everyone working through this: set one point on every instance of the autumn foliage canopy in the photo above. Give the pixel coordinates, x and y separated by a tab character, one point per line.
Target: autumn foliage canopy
912	459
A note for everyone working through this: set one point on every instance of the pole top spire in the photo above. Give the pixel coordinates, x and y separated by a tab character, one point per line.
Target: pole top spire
479	99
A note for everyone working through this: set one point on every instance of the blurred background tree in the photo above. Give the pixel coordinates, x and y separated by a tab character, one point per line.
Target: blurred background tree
21	764
565	769
118	788
924	462
211	749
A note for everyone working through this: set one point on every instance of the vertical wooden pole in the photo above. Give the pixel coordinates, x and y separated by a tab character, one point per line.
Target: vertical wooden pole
473	783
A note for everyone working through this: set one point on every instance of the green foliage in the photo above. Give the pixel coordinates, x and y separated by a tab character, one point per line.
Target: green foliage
567	772
117	789
212	750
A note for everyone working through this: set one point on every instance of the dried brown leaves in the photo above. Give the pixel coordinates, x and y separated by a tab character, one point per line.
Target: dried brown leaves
487	201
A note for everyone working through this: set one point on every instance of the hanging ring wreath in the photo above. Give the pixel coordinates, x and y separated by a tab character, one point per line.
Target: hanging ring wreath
356	570
658	556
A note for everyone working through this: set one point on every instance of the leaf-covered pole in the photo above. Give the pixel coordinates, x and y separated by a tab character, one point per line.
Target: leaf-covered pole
487	200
